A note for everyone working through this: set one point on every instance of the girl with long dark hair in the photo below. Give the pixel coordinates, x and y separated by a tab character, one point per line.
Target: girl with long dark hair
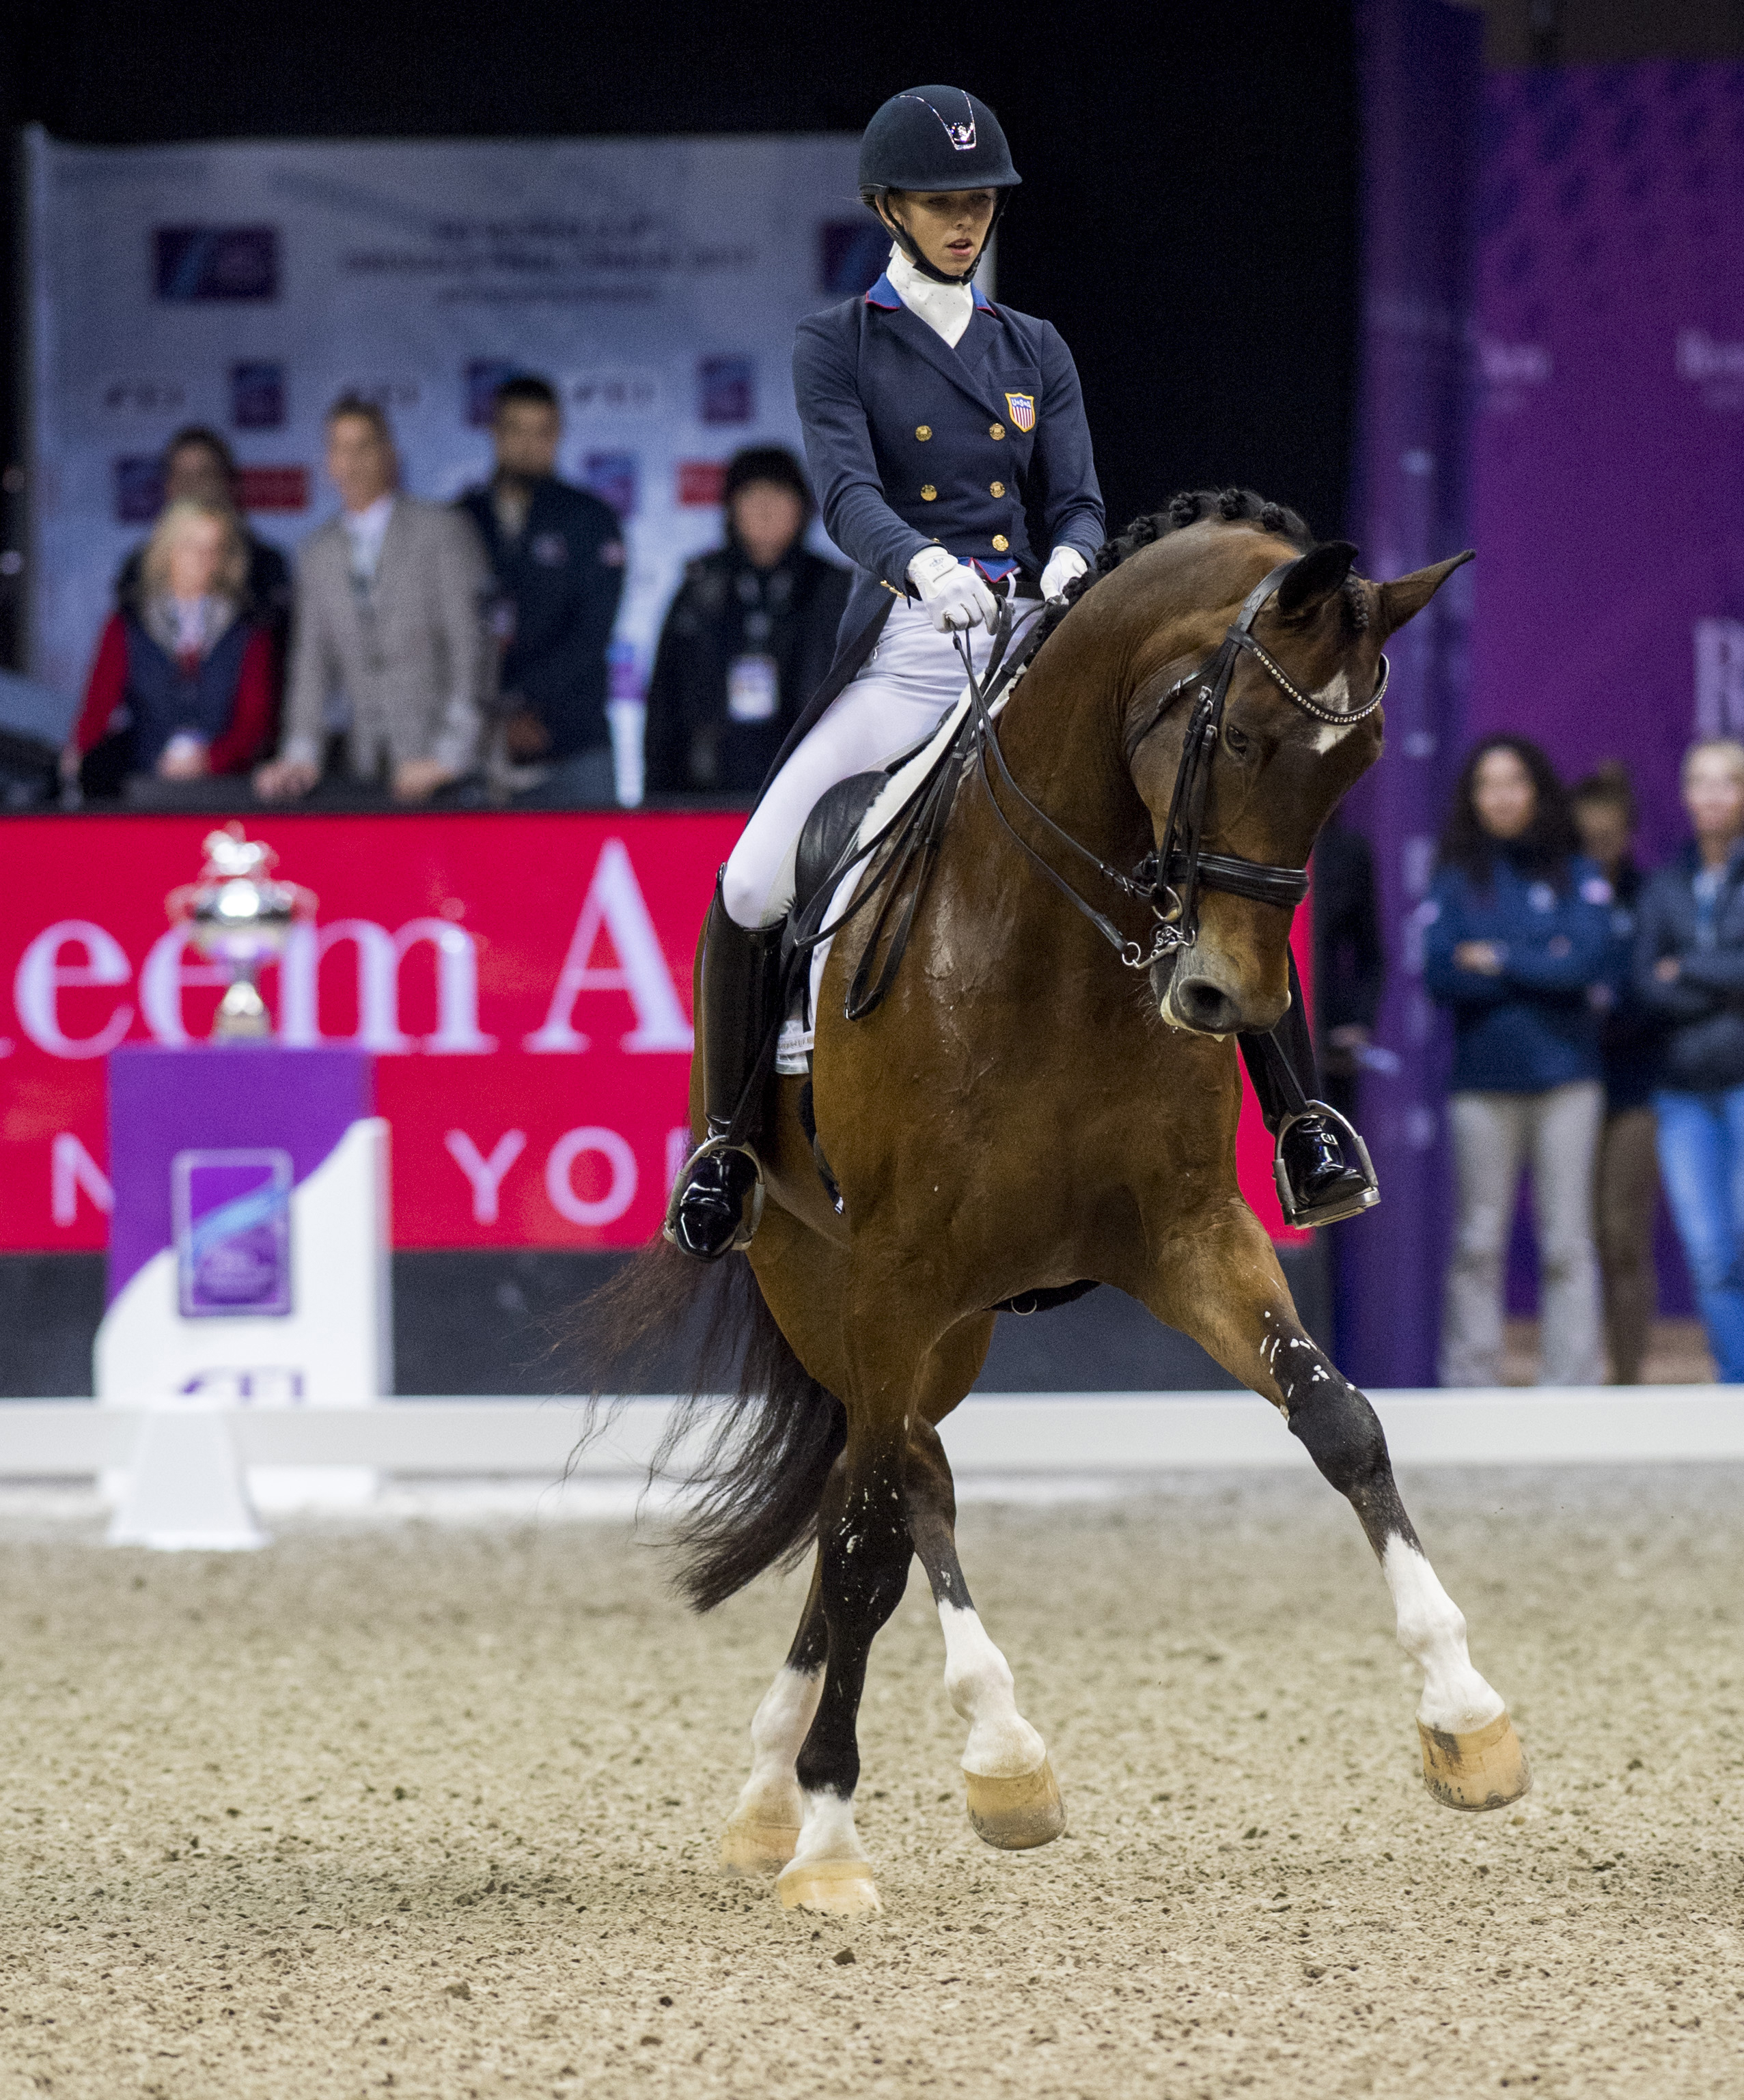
1516	929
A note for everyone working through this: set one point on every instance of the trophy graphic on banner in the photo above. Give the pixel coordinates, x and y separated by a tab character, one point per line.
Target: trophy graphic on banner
239	919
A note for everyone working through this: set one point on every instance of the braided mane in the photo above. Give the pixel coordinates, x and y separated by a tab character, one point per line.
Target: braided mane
1232	507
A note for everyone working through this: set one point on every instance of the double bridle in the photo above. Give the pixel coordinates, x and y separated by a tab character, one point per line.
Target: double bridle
1170	878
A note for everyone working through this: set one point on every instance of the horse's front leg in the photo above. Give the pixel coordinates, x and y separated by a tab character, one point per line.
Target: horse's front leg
1014	1799
1222	1285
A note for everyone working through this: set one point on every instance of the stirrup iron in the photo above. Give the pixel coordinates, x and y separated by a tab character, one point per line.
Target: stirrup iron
1333	1210
733	1162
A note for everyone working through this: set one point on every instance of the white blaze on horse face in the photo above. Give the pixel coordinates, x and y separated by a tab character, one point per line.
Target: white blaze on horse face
1001	1744
777	1730
1329	733
1334	693
1431	1632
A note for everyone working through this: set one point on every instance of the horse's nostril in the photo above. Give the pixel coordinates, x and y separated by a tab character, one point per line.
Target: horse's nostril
1204	1005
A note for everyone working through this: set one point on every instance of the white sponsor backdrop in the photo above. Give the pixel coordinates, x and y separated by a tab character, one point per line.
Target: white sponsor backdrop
656	282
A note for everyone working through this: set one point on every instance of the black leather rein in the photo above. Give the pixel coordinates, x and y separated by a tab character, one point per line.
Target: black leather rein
1171	878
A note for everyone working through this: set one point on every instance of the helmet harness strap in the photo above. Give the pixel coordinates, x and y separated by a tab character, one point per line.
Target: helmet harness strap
906	240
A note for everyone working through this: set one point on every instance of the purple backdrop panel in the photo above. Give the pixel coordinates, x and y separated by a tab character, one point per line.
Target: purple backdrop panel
1421	71
1609	451
247	1100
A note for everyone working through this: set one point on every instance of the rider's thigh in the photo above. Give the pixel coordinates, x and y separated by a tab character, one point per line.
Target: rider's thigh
874	718
895	702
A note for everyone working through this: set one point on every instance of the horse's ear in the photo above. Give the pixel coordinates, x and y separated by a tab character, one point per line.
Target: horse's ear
1406	597
1313	579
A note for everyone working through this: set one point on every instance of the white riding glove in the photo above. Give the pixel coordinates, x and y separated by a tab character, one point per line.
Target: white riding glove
953	593
1063	564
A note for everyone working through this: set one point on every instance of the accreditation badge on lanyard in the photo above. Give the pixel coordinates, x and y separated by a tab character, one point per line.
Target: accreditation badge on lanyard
753	689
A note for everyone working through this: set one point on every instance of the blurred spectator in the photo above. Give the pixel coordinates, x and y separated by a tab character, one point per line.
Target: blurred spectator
557	554
198	465
388	651
1350	965
1625	1188
746	641
182	685
1689	969
1517	932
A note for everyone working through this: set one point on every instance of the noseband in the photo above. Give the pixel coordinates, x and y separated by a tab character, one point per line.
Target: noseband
1171	878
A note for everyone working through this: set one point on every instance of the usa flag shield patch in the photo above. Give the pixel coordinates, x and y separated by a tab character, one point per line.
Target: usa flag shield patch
1022	410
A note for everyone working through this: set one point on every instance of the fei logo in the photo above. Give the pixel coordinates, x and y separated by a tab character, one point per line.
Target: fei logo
726	389
232	1214
229	263
257	394
612	477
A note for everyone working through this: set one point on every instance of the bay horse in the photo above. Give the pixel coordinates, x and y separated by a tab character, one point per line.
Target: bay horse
1022	1114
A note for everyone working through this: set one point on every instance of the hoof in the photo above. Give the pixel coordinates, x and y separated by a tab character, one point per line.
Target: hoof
1016	1813
1486	1769
757	1848
844	1888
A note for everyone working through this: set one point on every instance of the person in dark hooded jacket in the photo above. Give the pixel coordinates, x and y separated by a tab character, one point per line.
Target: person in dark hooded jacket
746	641
1690	970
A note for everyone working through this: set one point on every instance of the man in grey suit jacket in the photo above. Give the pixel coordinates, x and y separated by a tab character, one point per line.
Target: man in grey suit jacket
387	622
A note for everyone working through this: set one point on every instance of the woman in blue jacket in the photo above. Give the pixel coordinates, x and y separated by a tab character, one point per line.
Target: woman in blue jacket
1517	932
1689	971
951	455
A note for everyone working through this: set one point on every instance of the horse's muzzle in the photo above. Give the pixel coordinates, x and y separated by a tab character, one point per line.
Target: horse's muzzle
1199	1003
1192	994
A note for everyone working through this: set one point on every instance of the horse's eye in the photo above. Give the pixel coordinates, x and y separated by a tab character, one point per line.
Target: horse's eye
1236	739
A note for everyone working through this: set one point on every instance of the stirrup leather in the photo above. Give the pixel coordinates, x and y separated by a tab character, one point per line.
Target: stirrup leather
717	1148
1331	1211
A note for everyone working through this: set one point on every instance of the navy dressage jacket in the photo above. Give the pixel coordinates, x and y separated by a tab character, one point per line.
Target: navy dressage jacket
983	449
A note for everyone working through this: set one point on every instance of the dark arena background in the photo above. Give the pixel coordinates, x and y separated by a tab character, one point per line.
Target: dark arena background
355	1736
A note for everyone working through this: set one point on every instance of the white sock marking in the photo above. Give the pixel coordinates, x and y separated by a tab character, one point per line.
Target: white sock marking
1001	1744
828	1832
778	1728
1431	1632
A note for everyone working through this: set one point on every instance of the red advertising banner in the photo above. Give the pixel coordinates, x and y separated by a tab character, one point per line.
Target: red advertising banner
524	982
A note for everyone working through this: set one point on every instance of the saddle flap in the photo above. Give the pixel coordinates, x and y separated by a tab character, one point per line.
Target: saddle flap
835	819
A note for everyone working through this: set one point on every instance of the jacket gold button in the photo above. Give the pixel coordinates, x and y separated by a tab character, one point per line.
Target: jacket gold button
923	431
995	430
1000	543
929	494
995	488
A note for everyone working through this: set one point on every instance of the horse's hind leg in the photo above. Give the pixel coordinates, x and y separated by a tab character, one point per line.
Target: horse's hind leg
864	1552
1223	1287
763	1830
1014	1799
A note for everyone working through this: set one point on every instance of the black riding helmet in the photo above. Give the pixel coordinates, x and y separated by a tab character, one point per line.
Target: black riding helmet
935	139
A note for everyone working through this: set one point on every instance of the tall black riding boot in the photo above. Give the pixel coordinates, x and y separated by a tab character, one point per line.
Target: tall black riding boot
1321	1164
719	1196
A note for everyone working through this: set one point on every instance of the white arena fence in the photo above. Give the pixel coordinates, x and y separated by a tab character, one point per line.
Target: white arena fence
991	1433
176	1473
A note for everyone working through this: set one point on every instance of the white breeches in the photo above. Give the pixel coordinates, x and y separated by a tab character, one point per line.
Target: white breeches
895	701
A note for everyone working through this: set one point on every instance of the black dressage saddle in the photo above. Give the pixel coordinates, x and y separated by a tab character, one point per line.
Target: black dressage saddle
835	819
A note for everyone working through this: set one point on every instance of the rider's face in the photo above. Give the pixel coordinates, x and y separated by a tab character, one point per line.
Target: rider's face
948	227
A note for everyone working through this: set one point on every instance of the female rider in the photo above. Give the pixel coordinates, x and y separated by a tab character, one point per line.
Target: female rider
948	442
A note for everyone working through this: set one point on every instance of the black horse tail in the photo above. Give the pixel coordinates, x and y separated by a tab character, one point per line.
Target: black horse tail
769	1432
